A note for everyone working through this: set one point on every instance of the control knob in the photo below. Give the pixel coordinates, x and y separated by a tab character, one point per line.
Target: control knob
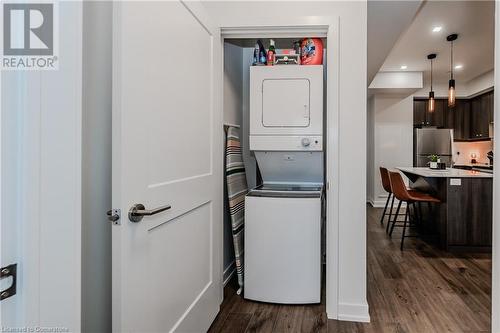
306	142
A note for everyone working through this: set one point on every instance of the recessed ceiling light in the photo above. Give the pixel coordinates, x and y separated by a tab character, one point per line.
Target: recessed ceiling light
404	67
458	66
437	29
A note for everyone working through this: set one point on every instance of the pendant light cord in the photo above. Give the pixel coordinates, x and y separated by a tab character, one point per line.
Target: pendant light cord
451	69
431	74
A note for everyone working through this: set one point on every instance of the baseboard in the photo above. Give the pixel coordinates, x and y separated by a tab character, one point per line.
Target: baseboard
381	203
228	273
378	203
354	312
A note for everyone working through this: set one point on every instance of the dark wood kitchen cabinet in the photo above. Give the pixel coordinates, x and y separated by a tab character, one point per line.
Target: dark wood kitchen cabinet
481	116
470	118
419	112
463	219
422	117
458	117
470	224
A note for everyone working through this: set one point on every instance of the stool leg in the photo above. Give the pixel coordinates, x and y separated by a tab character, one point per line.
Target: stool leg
395	218
417	214
414	214
390	214
404	226
420	214
385	209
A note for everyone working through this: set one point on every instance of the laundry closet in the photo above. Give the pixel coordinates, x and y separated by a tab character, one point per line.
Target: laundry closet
275	152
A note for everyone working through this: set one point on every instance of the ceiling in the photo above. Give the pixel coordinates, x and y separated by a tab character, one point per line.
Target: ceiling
387	20
474	21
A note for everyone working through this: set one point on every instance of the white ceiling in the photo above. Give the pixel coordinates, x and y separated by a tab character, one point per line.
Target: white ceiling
474	21
387	20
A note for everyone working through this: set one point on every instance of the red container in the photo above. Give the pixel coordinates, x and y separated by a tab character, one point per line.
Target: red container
311	51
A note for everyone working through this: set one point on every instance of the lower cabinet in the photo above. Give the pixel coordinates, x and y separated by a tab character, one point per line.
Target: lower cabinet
469	213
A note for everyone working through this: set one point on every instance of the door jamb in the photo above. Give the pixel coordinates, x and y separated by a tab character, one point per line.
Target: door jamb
330	30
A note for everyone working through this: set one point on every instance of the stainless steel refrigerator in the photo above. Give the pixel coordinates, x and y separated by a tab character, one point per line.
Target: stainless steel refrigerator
432	141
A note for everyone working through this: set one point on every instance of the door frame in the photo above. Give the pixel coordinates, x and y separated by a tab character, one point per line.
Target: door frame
329	28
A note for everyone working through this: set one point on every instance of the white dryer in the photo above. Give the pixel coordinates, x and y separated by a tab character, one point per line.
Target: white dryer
286	101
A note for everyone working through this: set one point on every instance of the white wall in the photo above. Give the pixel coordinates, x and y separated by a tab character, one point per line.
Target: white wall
463	89
392	144
496	189
248	156
233	101
350	187
236	111
233	81
96	167
481	83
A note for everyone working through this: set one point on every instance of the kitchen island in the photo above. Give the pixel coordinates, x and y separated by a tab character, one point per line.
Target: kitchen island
463	219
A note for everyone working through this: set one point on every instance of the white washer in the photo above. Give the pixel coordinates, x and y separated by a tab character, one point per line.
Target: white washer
283	244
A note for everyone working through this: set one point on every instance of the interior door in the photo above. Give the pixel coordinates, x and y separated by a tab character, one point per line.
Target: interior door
167	154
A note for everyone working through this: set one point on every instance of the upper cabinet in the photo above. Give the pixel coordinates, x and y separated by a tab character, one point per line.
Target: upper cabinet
422	117
481	115
458	119
469	118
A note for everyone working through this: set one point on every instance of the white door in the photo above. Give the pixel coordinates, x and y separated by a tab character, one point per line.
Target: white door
167	150
10	237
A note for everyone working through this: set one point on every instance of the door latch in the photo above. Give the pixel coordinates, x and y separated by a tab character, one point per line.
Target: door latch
5	272
114	216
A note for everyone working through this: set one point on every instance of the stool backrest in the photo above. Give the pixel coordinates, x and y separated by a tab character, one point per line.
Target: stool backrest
398	186
386	182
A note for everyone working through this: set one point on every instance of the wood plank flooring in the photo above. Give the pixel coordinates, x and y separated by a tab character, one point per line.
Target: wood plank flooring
421	289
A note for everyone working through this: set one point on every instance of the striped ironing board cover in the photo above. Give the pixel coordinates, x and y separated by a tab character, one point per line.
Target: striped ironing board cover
236	189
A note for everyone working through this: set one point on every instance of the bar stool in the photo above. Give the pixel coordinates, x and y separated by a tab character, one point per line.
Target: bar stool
411	197
386	184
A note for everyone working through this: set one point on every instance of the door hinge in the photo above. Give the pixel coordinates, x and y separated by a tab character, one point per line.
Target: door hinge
5	272
114	216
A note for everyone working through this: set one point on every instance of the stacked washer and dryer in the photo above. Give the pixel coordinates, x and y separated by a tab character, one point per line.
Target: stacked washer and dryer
283	216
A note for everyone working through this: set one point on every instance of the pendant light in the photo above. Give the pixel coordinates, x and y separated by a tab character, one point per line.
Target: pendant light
431	105
451	85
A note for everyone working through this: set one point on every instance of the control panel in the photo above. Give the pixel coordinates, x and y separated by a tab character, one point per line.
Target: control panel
286	143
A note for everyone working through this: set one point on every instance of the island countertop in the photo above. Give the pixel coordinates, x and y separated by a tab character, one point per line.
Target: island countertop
448	173
463	218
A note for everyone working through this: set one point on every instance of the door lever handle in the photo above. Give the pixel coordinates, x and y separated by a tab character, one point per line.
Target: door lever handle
138	211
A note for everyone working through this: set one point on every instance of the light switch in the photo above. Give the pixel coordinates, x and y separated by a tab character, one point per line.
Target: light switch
455	181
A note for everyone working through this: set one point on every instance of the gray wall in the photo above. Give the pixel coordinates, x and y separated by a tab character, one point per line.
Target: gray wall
96	168
236	111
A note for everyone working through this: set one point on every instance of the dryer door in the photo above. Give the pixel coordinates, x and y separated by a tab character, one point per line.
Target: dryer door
286	103
286	100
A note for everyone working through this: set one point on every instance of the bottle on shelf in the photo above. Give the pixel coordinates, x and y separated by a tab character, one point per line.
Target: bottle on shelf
262	53
271	54
256	55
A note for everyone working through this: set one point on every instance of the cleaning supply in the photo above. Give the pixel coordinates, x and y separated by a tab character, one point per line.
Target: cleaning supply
311	51
262	53
256	55
271	54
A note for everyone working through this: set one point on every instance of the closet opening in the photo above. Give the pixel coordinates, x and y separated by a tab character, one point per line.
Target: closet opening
275	162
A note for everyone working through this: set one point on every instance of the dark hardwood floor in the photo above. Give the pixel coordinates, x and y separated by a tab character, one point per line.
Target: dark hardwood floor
421	289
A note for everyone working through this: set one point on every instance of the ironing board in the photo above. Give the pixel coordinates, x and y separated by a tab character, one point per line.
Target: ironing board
236	190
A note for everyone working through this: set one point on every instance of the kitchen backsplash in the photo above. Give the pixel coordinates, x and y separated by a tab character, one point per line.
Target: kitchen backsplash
462	152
